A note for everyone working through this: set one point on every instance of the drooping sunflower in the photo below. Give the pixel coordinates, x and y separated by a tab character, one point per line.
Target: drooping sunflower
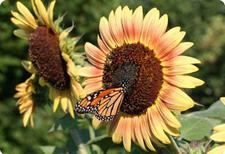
219	136
50	52
136	52
26	103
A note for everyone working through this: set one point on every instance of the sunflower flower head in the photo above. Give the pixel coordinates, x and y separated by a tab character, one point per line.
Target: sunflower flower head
25	92
137	53
50	52
218	136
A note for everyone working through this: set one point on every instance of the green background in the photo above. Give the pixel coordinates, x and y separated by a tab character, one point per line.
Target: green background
203	20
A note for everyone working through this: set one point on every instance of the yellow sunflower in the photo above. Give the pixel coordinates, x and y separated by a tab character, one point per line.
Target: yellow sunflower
26	103
136	52
219	136
50	51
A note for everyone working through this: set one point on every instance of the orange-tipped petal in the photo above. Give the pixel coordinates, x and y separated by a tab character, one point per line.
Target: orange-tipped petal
175	98
156	128
149	25
90	88
180	60
127	133
137	18
105	33
182	47
184	81
137	131
179	70
168	117
127	25
90	71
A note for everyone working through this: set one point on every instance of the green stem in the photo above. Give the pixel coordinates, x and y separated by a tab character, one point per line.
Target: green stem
174	144
91	132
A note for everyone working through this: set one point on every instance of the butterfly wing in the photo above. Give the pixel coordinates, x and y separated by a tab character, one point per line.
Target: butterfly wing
88	104
104	104
109	106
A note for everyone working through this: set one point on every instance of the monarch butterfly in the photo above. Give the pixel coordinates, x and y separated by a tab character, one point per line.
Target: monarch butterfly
104	104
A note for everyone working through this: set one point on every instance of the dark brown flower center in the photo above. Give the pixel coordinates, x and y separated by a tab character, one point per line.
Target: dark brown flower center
134	67
45	54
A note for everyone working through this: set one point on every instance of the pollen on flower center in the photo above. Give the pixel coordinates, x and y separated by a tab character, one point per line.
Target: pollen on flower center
134	67
45	54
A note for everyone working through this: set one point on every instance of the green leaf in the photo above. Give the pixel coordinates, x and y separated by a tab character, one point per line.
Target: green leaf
51	150
48	149
216	110
197	125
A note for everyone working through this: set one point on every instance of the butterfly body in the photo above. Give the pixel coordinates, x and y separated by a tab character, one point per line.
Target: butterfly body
104	104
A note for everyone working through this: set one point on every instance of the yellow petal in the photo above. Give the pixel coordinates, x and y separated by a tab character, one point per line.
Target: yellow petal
56	102
96	123
127	24
146	132
167	116
42	11
105	33
27	15
182	47
175	98
28	66
218	136
95	54
169	41
77	89
115	26
90	88
103	46
137	18
50	12
21	34
149	25
184	81
166	127
21	25
137	131
219	128
179	70
127	133
92	80
90	71
180	60
217	150
159	31
26	116
64	102
118	125
156	127
222	99
70	107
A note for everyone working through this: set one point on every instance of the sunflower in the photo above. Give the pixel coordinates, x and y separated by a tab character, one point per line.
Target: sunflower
218	136
26	103
50	50
138	53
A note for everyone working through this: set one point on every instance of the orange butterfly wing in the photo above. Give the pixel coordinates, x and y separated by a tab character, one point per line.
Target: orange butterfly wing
109	106
104	104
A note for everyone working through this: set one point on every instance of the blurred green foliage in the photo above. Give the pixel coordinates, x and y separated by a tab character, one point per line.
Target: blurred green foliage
203	20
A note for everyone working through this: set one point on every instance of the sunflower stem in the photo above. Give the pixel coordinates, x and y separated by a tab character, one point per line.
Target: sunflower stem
174	144
91	132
